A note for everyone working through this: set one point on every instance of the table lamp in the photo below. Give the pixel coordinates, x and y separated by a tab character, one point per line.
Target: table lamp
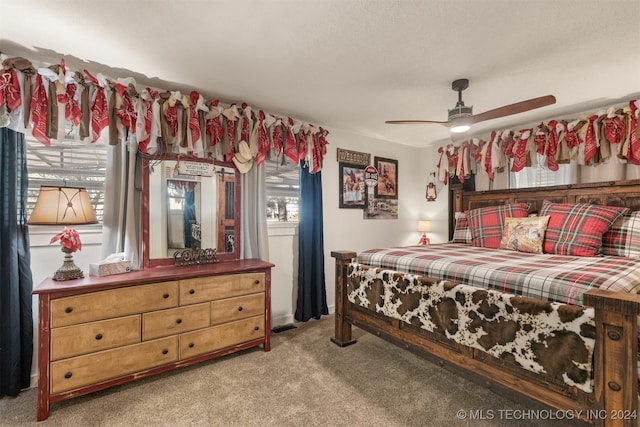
424	227
64	206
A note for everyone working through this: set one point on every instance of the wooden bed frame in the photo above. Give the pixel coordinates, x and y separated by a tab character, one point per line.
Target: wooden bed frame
615	397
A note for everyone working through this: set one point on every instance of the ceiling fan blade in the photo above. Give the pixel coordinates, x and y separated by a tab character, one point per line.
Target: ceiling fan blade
415	122
518	107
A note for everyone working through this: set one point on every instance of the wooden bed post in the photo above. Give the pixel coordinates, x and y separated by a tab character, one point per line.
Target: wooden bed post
343	328
615	359
457	199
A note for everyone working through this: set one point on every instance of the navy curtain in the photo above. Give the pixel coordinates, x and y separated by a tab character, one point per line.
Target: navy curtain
16	321
189	214
312	294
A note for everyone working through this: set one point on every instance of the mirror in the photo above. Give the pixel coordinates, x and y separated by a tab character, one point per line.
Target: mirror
189	204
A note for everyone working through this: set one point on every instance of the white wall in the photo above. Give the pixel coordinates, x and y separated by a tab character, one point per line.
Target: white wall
345	229
283	249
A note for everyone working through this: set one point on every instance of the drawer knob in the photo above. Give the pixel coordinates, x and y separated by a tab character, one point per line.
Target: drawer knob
257	282
68	309
178	321
99	337
192	291
240	308
165	295
165	351
257	328
191	345
68	375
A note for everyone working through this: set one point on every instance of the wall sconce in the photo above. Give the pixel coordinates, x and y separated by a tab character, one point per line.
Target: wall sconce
424	227
431	188
64	206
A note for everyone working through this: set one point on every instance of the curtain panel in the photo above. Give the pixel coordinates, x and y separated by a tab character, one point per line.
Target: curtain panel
121	226
253	228
312	294
16	282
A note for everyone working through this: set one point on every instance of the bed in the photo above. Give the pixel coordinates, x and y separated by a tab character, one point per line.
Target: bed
558	329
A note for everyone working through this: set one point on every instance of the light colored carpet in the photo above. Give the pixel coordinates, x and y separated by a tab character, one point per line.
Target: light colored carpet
305	380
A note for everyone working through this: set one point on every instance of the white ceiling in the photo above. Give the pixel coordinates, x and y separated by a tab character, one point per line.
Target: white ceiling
350	64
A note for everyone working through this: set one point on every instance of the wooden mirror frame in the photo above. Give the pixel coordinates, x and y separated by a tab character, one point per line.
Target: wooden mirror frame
148	262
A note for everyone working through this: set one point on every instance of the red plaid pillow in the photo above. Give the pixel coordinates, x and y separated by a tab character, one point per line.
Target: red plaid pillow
486	224
461	233
623	238
577	229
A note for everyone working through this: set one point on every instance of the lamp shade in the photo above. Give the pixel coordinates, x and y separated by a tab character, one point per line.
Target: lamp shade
62	205
424	226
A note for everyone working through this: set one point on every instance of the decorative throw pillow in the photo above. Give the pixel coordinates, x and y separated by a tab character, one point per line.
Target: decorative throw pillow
461	233
577	229
524	234
486	224
623	238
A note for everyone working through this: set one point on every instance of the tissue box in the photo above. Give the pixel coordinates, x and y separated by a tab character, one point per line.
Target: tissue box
109	268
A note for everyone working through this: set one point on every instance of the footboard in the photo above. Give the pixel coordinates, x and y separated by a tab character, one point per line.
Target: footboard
613	401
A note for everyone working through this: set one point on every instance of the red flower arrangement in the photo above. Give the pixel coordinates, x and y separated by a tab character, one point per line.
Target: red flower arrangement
69	238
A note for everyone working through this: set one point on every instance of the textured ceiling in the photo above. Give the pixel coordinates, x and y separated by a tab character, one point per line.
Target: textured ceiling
350	64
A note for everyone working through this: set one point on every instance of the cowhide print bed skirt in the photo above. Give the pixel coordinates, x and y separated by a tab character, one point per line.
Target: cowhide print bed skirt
548	338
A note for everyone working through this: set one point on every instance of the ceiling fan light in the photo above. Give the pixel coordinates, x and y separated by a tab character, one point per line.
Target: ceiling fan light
460	128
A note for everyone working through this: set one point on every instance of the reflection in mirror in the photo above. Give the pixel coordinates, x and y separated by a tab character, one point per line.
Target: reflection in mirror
181	210
183	219
226	211
189	204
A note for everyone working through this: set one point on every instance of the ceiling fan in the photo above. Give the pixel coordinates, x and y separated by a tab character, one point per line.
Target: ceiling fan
461	116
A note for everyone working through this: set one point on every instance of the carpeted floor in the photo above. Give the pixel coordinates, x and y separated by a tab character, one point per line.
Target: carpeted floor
305	380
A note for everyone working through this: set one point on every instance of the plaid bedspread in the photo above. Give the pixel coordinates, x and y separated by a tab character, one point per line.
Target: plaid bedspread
548	277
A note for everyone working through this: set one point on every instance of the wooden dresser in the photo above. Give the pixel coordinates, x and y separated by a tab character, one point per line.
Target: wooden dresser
98	332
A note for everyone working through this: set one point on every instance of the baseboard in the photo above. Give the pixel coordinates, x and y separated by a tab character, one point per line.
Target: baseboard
277	322
288	319
283	328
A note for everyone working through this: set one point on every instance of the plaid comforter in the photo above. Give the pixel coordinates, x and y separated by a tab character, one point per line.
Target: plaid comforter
548	277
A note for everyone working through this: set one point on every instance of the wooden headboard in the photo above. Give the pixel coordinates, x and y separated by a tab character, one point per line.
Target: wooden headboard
612	193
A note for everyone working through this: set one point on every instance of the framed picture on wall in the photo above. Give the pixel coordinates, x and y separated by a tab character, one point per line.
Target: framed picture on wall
381	209
387	187
352	188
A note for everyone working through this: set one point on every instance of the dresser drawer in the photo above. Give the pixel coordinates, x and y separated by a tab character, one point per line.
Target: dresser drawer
93	368
113	303
172	321
221	336
226	310
69	341
216	287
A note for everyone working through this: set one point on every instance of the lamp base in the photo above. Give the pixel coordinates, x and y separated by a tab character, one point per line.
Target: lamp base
69	270
424	240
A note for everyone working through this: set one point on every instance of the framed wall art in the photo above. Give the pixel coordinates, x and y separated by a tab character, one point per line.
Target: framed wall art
381	209
387	187
352	188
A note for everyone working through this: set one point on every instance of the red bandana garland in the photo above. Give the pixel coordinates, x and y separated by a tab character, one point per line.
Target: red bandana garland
633	154
39	112
10	89
99	109
168	121
549	144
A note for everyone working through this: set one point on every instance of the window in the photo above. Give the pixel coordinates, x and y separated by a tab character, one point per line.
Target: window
283	191
67	162
539	176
